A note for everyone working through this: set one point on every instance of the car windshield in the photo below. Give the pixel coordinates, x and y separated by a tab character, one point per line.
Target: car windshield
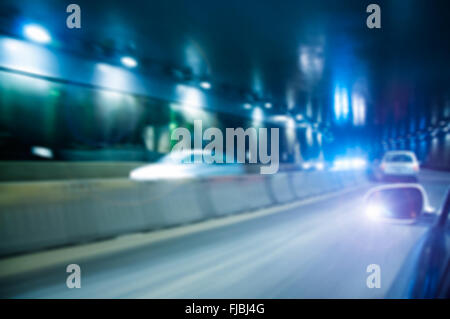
179	158
398	158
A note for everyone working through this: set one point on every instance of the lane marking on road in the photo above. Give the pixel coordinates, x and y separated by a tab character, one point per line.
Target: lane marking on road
12	266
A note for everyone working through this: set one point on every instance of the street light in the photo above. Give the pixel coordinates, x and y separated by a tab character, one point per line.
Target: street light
205	85
129	62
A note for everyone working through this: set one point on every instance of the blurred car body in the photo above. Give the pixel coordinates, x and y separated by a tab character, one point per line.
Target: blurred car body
181	164
426	271
399	165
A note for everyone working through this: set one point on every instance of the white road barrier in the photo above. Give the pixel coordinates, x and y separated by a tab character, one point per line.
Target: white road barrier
40	215
281	187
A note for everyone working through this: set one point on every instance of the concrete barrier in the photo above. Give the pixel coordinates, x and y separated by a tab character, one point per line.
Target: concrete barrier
325	182
230	195
346	178
40	215
281	187
299	181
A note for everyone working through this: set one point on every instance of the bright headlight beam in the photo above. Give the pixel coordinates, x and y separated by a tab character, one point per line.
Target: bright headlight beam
37	33
159	171
375	211
349	163
306	165
320	166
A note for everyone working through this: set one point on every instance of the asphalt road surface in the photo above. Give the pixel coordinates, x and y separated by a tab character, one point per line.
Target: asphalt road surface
315	249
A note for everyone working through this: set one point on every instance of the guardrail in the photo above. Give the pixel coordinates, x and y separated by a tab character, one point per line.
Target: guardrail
41	215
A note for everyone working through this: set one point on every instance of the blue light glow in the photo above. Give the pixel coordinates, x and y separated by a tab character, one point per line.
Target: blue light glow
337	104
344	103
358	109
26	57
341	103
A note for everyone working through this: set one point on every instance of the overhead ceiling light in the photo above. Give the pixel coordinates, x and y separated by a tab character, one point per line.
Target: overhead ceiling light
129	62
247	106
42	151
268	105
280	118
257	115
303	124
205	85
36	33
299	117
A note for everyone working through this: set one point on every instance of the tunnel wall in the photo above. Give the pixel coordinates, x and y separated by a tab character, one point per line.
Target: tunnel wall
39	61
18	171
41	215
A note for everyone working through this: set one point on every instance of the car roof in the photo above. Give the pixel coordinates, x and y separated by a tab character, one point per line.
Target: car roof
187	152
407	153
399	152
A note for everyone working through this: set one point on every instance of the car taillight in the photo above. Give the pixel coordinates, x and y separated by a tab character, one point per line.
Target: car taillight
416	167
382	166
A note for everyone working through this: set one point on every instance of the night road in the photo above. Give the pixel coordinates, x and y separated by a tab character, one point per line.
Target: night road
318	249
242	151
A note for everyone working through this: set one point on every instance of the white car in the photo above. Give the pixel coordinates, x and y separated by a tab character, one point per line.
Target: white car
400	164
181	164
